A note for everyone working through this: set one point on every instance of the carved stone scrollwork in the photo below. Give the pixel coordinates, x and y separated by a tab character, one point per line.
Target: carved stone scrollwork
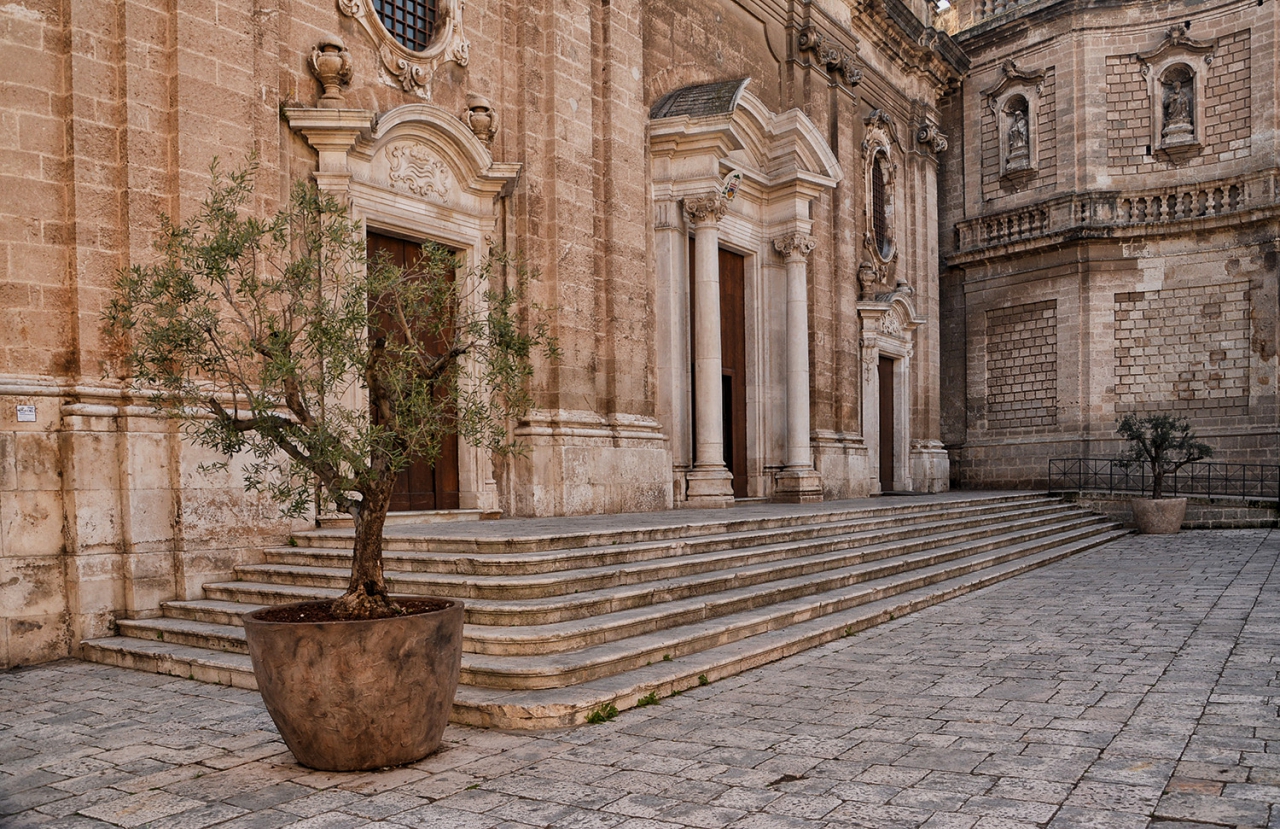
330	62
709	208
930	135
413	168
409	70
797	244
830	54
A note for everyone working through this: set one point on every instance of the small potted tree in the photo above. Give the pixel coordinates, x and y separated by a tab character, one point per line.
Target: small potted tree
1161	444
279	345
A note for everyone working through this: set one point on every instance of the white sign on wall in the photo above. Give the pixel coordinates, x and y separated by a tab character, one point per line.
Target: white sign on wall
26	414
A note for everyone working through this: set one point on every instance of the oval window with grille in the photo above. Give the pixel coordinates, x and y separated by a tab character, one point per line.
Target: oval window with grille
881	207
411	22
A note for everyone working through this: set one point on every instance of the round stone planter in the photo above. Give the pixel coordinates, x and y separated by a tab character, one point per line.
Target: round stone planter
356	695
1159	515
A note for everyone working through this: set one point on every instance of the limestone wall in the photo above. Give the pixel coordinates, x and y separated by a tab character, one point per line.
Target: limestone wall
1151	250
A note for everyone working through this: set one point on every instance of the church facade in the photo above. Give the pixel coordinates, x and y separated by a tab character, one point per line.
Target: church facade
1110	232
731	207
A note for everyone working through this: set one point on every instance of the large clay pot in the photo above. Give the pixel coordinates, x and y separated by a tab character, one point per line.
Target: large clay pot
1159	515
349	696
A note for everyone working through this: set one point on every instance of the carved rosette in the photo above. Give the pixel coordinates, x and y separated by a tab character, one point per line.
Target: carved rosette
413	71
414	169
795	246
703	209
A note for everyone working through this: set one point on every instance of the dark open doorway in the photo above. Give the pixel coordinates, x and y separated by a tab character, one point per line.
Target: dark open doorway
885	369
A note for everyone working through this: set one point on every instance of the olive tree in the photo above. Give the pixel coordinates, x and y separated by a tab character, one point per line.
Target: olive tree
1162	443
278	341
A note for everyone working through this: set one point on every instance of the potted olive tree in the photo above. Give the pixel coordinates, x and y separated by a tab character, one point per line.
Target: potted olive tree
1161	444
277	343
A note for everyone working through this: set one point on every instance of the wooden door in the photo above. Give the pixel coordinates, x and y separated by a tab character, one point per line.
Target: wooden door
886	424
422	485
733	364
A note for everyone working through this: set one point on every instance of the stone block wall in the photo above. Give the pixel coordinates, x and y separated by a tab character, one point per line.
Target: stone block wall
1022	365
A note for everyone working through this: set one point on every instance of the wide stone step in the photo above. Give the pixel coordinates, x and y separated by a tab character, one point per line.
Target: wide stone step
533	535
197	634
505	565
547	669
558	707
513	577
650	584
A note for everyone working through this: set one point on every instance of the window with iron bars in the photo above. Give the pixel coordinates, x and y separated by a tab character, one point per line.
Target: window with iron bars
412	22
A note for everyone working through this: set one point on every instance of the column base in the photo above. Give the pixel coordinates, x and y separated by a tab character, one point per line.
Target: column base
709	488
798	486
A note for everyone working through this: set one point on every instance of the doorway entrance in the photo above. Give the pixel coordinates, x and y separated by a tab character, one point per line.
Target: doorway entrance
733	362
422	485
885	369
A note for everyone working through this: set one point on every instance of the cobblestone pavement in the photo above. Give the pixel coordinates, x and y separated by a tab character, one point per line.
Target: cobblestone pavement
1135	685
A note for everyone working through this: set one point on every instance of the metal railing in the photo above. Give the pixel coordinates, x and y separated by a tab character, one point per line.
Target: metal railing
1205	480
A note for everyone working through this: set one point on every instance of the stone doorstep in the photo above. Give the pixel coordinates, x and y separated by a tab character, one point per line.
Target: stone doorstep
592	603
512	536
569	706
877	577
416	517
713	551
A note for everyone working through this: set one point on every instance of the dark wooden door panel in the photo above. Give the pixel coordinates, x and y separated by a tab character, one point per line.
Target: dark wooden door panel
733	358
422	485
886	424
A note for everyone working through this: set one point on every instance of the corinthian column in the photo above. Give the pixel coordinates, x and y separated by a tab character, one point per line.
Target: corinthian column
798	481
710	484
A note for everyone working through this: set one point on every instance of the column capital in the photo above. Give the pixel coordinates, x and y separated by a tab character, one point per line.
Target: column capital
795	245
707	209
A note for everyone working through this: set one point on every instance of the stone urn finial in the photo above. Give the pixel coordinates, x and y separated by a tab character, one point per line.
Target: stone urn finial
481	117
331	64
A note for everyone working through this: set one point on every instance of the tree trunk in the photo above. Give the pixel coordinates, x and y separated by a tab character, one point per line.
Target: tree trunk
366	596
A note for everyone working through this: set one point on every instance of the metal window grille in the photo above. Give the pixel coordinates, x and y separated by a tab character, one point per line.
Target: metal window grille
412	22
879	213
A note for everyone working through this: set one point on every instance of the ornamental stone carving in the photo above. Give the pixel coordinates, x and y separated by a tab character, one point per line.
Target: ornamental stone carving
330	62
481	118
414	169
796	245
830	54
402	67
931	136
702	209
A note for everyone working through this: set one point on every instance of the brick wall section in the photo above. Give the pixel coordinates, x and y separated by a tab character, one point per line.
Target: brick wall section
1022	365
1185	349
1227	110
1128	114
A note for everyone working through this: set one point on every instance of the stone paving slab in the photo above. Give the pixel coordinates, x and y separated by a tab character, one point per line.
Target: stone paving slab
1135	685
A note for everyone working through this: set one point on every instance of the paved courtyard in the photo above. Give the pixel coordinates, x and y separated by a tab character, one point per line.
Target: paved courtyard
1135	685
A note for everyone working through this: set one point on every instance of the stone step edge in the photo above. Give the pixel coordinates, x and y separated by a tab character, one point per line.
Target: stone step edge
554	561
534	585
563	707
230	637
564	604
691	527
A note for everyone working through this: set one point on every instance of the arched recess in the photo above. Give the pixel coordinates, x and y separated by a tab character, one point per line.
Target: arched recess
739	178
887	325
419	173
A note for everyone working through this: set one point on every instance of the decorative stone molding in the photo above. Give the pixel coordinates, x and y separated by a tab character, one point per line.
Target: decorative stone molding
330	62
481	118
1175	71
413	71
836	59
795	245
932	137
879	160
703	209
1015	103
413	168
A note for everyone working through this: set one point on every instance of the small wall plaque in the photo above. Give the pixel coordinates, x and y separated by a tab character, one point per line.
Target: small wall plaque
26	414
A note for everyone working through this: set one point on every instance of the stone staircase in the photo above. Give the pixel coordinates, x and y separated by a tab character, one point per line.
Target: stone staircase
566	617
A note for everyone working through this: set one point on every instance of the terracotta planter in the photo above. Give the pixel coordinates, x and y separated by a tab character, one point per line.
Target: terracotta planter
349	696
1160	516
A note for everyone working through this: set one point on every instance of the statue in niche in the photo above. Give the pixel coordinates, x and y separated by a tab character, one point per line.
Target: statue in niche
1179	126
1018	141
